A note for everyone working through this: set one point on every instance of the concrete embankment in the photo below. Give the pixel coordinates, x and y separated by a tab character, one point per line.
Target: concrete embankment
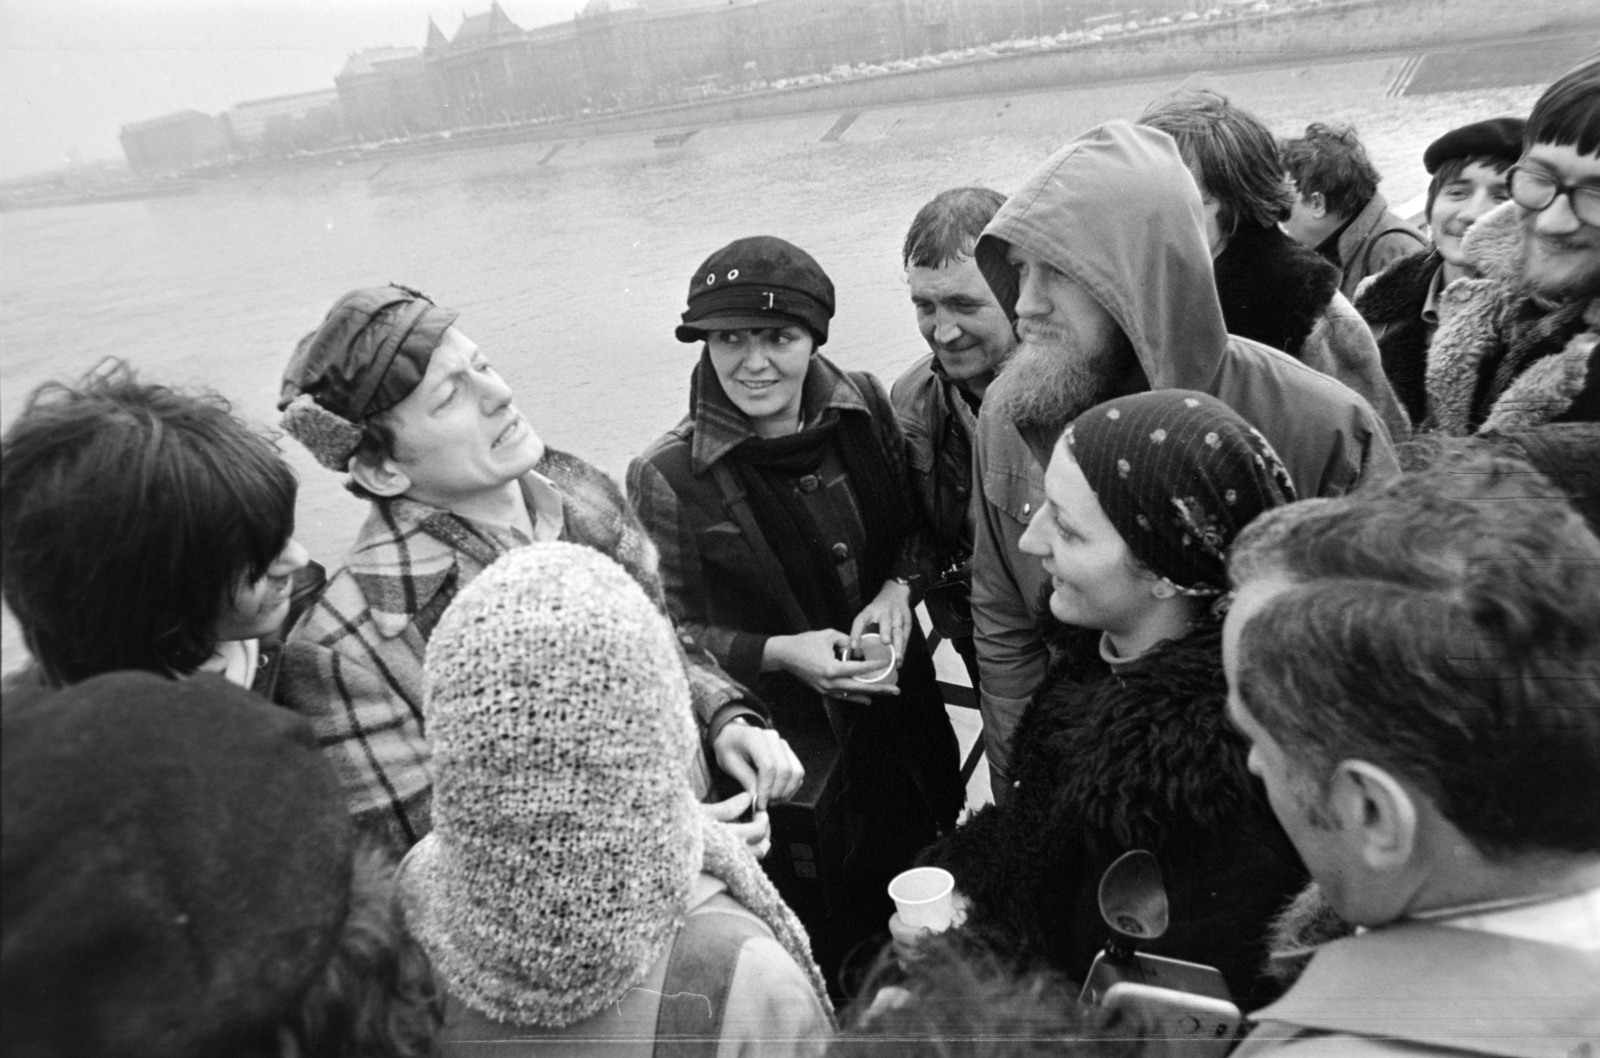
1538	38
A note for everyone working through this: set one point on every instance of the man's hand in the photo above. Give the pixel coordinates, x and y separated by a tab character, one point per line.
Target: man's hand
757	833
760	760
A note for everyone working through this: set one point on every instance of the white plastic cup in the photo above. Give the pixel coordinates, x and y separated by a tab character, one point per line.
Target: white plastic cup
876	648
924	897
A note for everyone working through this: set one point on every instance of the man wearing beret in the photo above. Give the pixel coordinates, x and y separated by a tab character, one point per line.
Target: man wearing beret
1519	345
1401	304
390	392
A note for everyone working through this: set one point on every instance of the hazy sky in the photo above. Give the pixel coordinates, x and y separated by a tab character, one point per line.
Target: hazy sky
73	72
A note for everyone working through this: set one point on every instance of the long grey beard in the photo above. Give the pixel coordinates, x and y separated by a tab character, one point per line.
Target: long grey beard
1299	930
1044	386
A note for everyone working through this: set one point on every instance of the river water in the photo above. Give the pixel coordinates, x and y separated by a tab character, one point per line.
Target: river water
570	268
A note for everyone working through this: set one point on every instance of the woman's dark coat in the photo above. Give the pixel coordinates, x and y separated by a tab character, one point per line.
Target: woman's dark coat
1143	757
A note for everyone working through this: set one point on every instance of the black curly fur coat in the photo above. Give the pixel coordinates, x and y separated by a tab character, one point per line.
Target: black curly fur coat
1105	762
1272	289
1392	305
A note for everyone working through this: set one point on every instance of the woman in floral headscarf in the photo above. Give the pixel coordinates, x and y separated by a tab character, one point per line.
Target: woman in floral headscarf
1126	744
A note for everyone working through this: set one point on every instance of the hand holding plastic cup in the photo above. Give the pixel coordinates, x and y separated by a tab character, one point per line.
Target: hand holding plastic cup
877	649
925	898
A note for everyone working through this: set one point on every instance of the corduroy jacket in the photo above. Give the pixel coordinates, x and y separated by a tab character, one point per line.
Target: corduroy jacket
354	663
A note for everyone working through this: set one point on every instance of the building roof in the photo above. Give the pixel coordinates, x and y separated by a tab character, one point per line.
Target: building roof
180	117
363	62
486	27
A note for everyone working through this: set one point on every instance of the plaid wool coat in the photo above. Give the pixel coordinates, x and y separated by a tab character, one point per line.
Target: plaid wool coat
354	663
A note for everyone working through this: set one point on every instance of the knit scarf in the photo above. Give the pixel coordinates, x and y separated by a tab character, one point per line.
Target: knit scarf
728	860
1533	331
766	467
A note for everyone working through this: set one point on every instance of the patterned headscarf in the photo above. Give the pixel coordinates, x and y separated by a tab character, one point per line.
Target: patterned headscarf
1179	474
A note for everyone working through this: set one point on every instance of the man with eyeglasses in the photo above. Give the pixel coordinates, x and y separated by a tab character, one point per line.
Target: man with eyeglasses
1519	346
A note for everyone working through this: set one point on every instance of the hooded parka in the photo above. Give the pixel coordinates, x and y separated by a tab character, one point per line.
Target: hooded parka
1117	212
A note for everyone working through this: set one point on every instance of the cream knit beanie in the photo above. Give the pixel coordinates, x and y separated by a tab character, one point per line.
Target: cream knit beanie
566	835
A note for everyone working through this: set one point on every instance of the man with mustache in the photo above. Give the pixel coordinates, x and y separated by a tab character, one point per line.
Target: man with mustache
1519	346
1105	248
1401	304
937	398
390	392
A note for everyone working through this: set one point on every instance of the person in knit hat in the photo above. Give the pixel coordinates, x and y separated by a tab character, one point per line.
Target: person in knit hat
1126	745
571	895
181	880
389	391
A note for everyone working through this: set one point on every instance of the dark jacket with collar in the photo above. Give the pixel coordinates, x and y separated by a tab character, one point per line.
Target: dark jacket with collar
1392	306
1107	761
938	425
726	588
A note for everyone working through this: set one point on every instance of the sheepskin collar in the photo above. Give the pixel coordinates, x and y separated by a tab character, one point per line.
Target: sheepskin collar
1471	340
1140	752
1272	289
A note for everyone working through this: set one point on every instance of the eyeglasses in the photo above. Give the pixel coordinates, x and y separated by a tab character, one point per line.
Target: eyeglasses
1536	189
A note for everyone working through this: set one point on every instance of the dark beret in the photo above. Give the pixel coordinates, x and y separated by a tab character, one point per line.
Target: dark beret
177	859
757	282
1495	138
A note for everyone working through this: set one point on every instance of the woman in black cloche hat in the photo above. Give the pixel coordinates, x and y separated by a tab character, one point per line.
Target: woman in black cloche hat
787	528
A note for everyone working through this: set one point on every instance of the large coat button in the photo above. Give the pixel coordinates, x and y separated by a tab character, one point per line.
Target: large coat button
841	552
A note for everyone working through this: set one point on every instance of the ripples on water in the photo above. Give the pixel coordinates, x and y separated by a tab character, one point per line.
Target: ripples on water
571	274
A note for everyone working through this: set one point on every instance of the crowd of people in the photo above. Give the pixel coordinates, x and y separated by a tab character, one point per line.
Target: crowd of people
1264	524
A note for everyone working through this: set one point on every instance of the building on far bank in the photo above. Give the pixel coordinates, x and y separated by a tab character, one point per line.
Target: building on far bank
174	143
282	125
388	93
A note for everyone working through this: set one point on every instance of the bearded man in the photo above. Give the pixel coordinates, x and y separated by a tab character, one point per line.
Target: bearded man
1102	255
1519	346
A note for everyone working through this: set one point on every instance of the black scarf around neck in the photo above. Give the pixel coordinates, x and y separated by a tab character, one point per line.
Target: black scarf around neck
767	467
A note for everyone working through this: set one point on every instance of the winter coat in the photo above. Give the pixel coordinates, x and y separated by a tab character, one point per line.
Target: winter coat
353	664
1421	988
1559	379
1107	761
1372	241
727	590
724	985
1147	263
1395	305
938	425
1279	293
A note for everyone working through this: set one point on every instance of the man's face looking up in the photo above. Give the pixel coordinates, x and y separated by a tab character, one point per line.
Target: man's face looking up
1563	251
961	321
458	434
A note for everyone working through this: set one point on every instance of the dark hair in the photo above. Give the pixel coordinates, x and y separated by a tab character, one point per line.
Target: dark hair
1568	114
1235	153
1329	160
378	442
377	995
1444	625
1452	168
129	514
947	227
962	1000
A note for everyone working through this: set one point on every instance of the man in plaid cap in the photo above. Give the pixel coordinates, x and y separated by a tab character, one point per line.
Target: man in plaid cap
388	391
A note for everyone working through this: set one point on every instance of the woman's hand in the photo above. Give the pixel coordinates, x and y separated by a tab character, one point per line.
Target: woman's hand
907	939
813	658
755	833
891	612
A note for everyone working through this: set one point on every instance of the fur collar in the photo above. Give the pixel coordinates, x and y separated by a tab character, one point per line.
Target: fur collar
1142	751
1396	294
1272	289
1471	313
